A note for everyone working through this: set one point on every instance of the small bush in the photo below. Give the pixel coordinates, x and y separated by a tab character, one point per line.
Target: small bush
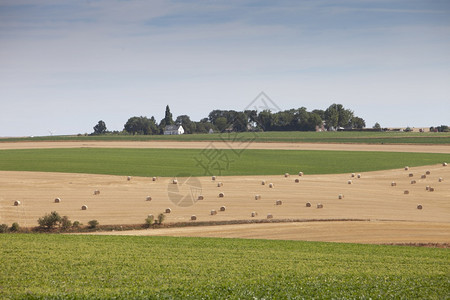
93	224
14	227
161	218
76	224
149	221
50	220
65	223
3	228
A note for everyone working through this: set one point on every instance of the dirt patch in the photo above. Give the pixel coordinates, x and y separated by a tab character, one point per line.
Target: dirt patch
226	145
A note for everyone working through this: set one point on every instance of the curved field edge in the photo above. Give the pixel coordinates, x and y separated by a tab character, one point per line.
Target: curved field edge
274	136
99	267
195	162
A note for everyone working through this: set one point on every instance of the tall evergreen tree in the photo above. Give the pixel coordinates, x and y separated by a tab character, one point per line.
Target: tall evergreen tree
168	117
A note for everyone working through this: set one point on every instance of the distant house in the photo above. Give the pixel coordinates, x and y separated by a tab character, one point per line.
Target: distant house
173	129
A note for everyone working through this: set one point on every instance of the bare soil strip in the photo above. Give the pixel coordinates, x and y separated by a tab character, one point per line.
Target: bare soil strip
375	232
395	216
226	145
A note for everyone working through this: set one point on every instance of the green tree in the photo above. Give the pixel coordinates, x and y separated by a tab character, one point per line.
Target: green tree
100	128
93	224
221	123
358	122
141	125
377	126
49	221
168	117
337	116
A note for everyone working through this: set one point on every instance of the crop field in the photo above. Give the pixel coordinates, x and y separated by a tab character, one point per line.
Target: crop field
194	162
99	267
272	136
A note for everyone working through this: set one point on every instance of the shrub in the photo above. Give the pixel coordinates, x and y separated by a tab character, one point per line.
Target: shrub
161	218
76	224
3	228
15	227
50	220
149	221
93	224
65	223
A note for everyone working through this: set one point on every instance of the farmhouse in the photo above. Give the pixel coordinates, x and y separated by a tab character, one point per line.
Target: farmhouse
173	129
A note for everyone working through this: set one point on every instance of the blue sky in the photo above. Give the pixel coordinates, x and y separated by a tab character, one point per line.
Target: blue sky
65	65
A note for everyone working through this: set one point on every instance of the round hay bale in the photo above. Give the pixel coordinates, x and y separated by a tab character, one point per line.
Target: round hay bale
411	175
213	178
359	175
444	164
219	184
423	176
57	200
16	203
129	178
84	207
257	197
222	208
300	173
193	218
308	204
153	178
427	188
200	197
213	212
431	189
270	185
441	179
254	214
286	175
413	182
148	198
174	181
278	202
428	172
221	195
341	196
96	192
393	183
297	180
319	205
168	211
263	182
419	206
269	216
406	192
349	182
353	174
406	168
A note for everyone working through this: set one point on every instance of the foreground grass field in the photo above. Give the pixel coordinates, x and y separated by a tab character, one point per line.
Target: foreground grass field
273	136
194	162
98	267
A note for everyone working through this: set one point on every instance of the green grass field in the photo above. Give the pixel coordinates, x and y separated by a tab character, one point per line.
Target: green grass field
195	162
272	136
98	267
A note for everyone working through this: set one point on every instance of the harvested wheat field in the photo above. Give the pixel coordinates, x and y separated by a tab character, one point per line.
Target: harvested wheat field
394	216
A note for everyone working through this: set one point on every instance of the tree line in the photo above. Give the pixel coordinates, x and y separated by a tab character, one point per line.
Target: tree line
332	118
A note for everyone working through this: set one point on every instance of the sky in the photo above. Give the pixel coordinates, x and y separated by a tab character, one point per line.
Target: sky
65	65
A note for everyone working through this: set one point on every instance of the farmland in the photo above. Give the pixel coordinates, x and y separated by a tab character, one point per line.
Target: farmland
268	137
98	267
172	162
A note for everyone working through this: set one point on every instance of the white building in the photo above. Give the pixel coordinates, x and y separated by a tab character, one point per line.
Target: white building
173	129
